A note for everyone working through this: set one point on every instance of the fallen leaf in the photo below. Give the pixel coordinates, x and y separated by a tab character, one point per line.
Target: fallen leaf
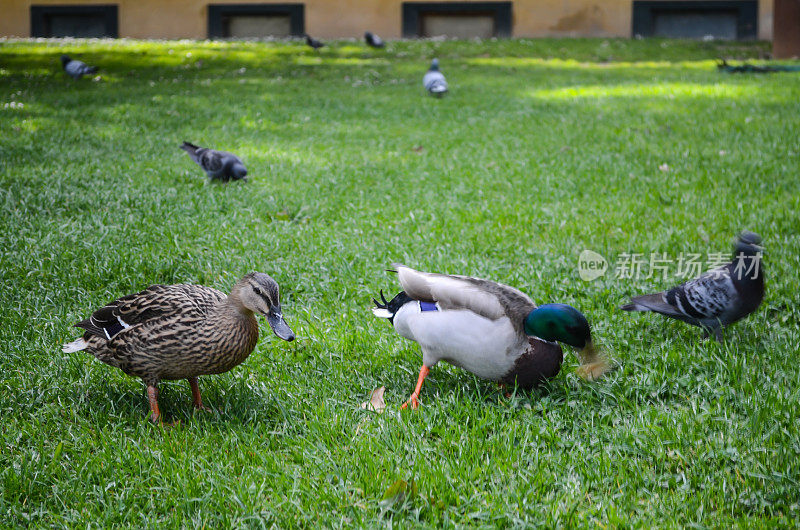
376	402
722	152
663	167
418	149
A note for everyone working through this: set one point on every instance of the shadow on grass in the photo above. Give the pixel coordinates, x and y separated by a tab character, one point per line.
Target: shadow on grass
237	404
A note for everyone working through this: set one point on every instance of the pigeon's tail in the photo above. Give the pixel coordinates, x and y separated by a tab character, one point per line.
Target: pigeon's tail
649	302
189	148
438	88
91	69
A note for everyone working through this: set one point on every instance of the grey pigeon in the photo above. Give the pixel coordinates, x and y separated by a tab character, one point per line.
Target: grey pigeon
434	81
314	43
76	69
218	165
373	40
717	298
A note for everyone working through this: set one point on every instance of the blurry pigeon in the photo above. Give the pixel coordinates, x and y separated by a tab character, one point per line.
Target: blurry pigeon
218	165
314	43
434	81
717	298
373	40
747	68
76	69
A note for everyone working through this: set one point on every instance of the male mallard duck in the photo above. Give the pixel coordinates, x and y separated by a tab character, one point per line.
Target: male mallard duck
717	298
181	331
492	330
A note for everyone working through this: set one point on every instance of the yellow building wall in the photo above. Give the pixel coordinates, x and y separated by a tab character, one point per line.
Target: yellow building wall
182	19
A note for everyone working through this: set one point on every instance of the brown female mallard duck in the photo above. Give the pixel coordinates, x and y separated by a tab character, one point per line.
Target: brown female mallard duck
181	331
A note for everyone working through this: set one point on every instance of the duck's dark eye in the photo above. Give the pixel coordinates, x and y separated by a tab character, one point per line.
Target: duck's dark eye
257	291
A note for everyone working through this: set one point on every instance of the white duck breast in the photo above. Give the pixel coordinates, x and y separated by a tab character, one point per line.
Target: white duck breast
462	338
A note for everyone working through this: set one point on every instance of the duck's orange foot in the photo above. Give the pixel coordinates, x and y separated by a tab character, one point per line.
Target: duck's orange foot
413	401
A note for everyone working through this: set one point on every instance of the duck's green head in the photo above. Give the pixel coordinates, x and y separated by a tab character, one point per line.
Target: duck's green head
559	322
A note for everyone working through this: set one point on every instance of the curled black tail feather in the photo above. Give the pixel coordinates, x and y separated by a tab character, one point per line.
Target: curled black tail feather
384	305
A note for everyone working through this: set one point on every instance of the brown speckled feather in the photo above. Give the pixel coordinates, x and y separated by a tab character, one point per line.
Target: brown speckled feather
182	331
175	332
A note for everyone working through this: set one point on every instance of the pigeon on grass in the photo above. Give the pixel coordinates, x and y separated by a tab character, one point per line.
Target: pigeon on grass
373	40
434	81
717	298
314	43
218	165
75	68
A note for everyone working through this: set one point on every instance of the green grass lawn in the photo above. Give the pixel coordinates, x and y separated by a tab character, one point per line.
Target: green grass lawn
542	149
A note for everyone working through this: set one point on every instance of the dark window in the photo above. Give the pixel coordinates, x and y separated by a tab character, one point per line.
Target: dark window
74	21
240	21
723	19
457	19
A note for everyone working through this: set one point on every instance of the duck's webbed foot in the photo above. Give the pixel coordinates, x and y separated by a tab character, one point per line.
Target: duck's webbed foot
413	401
196	399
